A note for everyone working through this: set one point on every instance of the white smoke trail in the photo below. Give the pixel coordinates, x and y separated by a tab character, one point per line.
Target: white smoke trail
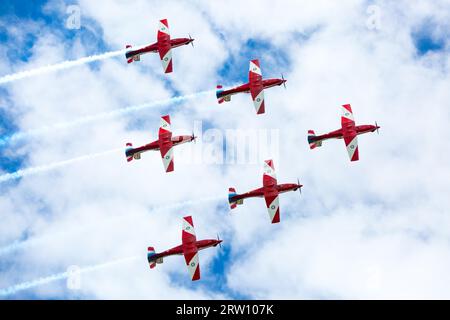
64	275
35	170
29	243
59	276
100	116
62	66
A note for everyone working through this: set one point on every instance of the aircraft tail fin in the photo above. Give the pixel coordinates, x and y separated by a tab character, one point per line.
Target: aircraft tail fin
150	253
221	98
128	53
128	151
130	56
219	90
313	141
233	203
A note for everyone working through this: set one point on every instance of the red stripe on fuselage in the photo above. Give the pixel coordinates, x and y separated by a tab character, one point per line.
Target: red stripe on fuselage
153	48
258	193
338	134
178	250
268	83
177	140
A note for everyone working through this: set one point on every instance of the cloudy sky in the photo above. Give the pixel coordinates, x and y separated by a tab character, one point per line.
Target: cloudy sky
378	228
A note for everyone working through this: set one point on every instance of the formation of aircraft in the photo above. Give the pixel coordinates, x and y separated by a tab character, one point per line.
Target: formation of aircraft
189	248
255	86
349	131
269	191
164	144
163	46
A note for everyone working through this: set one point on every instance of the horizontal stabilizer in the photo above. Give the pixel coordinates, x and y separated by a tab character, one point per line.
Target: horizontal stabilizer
221	98
128	151
313	141
233	203
150	253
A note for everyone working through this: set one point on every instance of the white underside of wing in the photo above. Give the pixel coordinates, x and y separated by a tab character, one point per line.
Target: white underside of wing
166	60
168	158
352	146
259	99
193	265
272	209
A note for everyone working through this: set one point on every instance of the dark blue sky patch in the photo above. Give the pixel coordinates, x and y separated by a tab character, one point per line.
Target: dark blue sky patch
7	163
15	11
426	38
424	44
22	53
22	8
3	34
90	34
217	281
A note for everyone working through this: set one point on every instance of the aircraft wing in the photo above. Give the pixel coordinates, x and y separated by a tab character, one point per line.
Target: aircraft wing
190	250
256	86
165	130
273	205
188	234
166	150
193	264
347	116
166	145
351	142
271	191
269	176
164	46
349	132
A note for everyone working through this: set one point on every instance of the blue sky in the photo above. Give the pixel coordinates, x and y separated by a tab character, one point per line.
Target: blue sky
426	41
238	253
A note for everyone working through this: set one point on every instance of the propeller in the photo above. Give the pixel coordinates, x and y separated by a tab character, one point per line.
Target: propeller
376	125
284	81
193	137
192	41
220	243
299	188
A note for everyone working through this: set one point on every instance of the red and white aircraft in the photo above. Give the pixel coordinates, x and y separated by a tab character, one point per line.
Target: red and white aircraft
164	144
270	191
255	86
163	46
349	132
189	248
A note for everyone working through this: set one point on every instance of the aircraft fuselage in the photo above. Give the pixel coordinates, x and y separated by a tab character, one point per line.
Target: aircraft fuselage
338	134
155	145
174	43
179	250
267	83
258	193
